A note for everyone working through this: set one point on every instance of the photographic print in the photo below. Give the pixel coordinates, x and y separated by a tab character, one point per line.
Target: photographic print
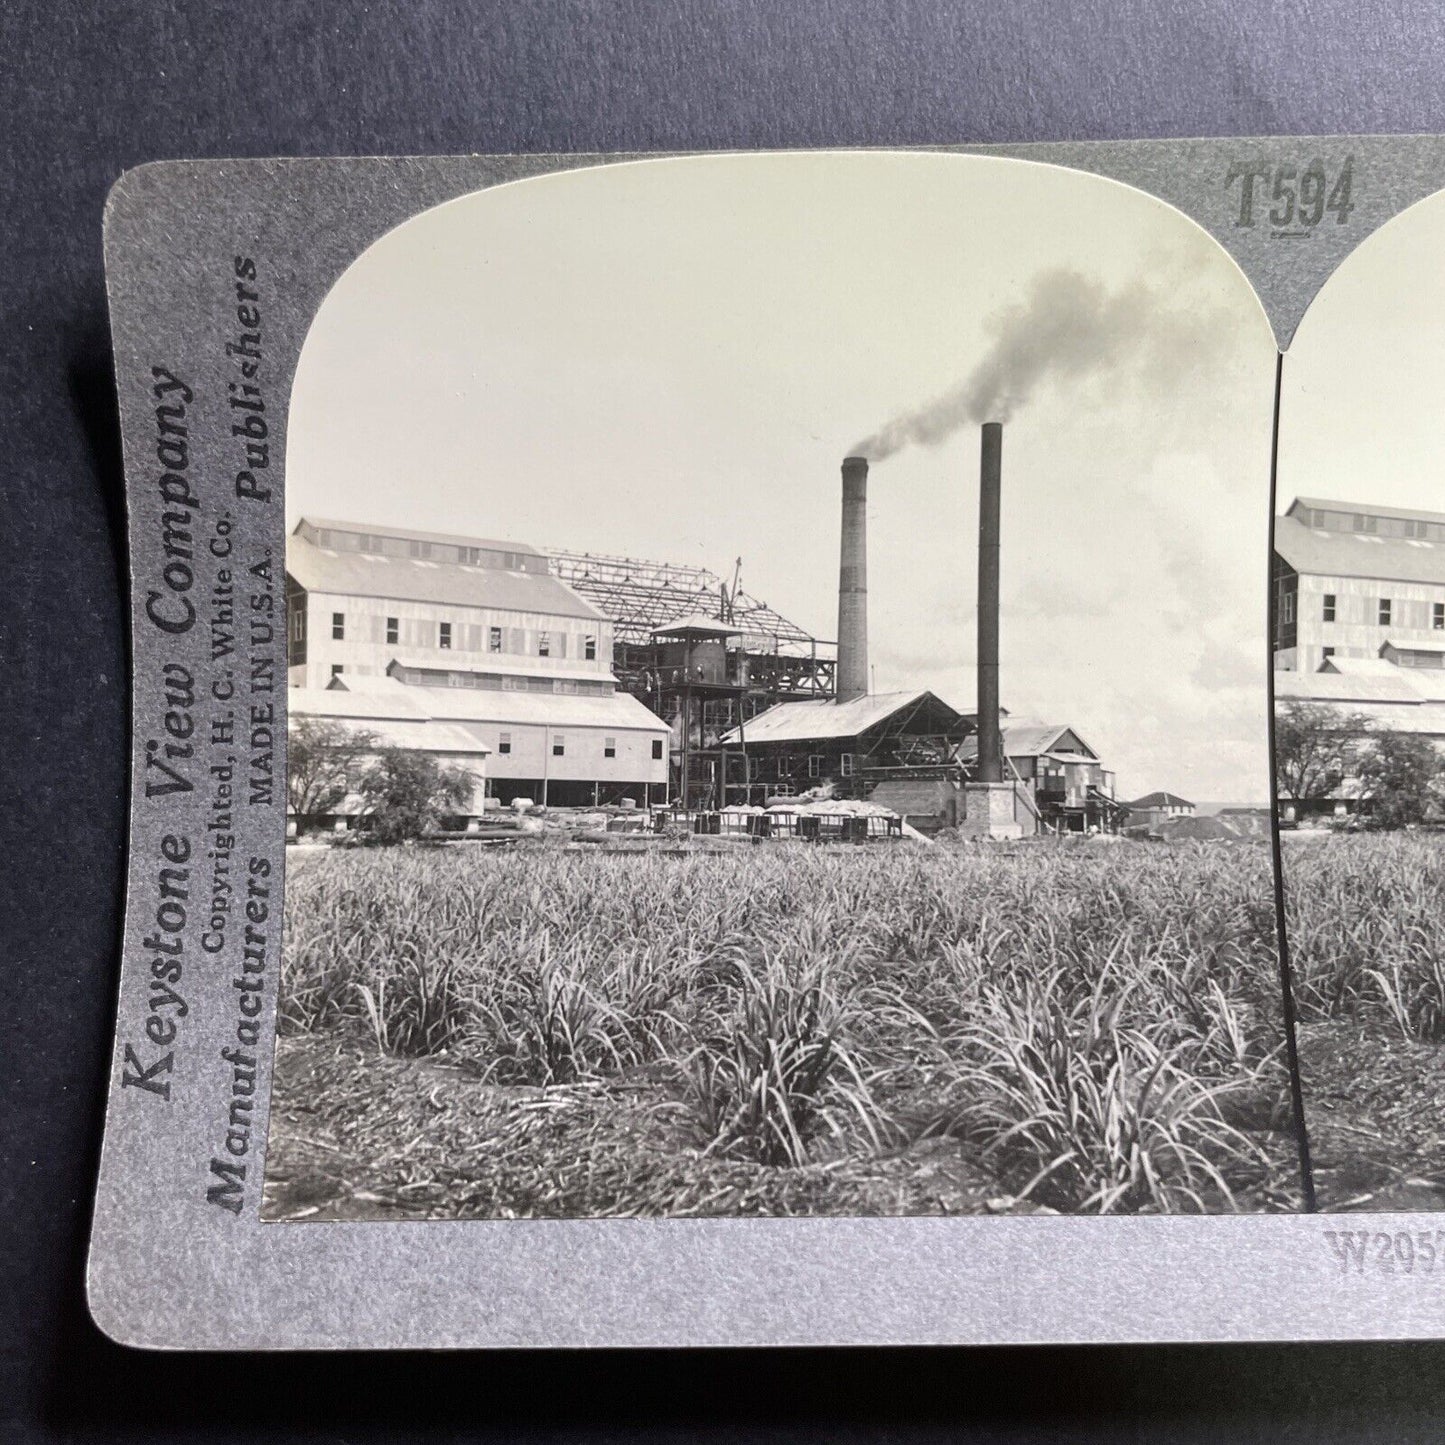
766	694
777	718
1359	559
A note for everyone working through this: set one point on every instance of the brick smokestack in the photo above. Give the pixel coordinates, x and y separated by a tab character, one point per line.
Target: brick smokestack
852	680
990	746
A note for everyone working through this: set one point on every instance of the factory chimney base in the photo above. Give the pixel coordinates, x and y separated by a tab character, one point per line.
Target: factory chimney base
994	810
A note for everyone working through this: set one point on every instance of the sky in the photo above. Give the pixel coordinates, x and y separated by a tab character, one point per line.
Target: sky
669	359
1362	416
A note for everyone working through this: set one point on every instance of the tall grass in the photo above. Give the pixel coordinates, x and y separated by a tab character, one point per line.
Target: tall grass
1091	1024
1366	918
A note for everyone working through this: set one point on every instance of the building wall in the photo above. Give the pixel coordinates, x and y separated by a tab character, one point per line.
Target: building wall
1285	599
1357	630
531	755
927	804
365	651
1152	817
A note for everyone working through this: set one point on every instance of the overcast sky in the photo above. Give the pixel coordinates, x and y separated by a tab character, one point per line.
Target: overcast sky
669	359
1363	412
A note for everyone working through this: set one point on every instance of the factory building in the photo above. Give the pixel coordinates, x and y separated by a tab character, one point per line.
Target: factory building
1064	780
1155	808
398	720
1390	697
894	748
705	656
1358	581
1359	609
912	751
476	638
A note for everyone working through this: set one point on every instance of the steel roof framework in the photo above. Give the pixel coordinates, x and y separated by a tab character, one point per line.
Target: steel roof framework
641	596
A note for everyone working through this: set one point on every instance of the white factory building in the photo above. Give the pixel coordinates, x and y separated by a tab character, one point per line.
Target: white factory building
1358	581
444	639
1359	603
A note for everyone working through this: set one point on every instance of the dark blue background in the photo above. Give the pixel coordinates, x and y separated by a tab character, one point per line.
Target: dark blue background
89	89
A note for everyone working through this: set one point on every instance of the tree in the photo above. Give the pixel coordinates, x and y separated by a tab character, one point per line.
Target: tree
1314	748
407	793
323	764
1400	773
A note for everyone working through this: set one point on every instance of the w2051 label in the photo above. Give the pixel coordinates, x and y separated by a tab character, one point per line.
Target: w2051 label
1292	200
1388	1251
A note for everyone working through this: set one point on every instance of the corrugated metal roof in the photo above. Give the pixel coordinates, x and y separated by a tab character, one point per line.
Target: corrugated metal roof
1027	740
499	667
1357	554
1353	682
1436	647
559	710
1403	514
1395	717
347	702
386	698
1429	683
453	539
357	574
1362	666
791	722
428	737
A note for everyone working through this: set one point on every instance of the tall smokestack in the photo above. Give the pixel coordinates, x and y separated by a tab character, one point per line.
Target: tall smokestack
990	747
852	680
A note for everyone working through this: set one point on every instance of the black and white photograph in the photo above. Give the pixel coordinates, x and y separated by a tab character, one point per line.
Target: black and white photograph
1359	647
777	709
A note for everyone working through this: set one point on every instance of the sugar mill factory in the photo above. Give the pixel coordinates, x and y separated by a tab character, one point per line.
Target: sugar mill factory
567	680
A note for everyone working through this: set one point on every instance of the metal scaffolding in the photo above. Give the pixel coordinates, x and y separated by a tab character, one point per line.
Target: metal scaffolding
641	596
702	685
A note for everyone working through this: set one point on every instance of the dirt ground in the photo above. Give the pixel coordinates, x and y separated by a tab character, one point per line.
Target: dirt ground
357	1134
1375	1109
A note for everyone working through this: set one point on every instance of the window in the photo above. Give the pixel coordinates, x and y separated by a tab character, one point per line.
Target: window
456	679
1327	652
544	644
559	745
589	649
815	765
494	639
1364	523
298	626
1384	613
609	747
420	549
656	749
338	627
444	634
1286	607
504	742
393	630
1329	611
1437	616
336	669
847	765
